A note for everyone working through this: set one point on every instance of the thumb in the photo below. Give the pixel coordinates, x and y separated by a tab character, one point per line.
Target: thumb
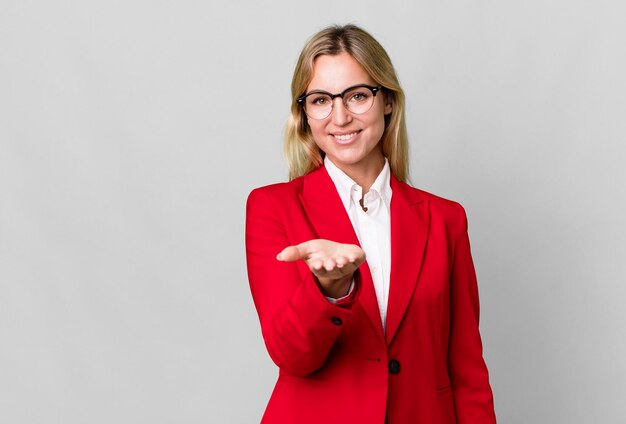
290	254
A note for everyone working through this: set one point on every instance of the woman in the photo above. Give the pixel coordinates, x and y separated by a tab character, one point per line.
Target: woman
391	339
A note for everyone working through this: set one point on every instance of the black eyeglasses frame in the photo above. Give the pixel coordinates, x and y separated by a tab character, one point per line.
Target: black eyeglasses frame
374	89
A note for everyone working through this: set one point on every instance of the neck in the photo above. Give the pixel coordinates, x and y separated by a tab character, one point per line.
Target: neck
365	176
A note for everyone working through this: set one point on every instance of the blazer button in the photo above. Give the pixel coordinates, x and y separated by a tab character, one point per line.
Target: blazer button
394	366
336	320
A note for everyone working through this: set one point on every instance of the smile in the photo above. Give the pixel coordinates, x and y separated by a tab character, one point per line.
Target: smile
345	137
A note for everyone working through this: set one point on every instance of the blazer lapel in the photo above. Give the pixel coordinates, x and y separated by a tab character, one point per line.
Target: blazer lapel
330	221
410	219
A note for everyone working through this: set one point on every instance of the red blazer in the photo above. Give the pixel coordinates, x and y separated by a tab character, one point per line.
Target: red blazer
336	363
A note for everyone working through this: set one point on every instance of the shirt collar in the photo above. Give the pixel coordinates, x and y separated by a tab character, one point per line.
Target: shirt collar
344	184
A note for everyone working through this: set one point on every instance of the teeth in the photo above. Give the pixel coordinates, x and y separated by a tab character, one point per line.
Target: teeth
344	137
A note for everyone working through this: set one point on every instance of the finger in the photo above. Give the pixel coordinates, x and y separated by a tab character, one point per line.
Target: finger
316	264
329	264
341	261
290	254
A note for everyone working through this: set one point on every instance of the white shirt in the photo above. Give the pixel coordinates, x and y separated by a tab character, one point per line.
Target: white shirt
372	228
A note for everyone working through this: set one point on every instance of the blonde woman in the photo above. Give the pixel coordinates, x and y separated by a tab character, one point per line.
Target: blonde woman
364	286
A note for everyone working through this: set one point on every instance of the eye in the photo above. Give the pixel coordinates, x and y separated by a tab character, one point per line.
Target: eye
319	100
359	96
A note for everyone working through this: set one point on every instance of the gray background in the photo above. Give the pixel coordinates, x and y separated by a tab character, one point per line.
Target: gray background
132	131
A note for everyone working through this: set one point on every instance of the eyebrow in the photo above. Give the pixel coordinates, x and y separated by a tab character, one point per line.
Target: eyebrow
319	90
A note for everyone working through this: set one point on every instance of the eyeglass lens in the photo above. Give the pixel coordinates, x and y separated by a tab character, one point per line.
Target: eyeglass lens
358	100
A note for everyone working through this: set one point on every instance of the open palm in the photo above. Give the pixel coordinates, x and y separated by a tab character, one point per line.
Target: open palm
332	263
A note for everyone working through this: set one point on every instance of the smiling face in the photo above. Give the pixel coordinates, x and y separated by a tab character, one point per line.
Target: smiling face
351	141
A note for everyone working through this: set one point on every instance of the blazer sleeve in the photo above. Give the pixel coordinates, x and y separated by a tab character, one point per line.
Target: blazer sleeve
299	325
473	398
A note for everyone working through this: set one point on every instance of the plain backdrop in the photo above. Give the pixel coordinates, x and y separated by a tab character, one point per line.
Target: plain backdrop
131	133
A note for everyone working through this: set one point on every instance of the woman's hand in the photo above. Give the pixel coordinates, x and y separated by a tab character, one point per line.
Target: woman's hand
332	263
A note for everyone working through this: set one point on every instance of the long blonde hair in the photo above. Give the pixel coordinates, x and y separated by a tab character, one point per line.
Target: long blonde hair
303	155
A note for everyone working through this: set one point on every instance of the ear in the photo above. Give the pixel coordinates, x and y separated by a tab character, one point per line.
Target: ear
388	107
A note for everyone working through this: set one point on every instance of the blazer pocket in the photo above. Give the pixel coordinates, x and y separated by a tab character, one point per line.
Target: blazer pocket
445	390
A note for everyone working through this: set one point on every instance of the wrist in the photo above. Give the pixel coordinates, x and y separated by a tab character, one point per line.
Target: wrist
334	288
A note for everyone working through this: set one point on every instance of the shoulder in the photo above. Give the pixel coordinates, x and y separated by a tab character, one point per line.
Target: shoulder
440	203
276	192
316	180
436	203
451	212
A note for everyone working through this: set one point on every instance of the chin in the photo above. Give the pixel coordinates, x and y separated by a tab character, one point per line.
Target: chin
346	160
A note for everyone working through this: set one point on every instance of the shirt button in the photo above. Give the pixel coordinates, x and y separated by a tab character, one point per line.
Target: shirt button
394	366
336	320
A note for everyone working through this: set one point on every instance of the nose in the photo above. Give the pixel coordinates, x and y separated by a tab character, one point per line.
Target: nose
340	115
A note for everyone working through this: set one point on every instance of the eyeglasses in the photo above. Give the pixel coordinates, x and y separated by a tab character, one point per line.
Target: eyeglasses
357	99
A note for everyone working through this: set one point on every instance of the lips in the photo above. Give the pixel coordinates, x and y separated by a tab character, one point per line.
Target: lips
345	137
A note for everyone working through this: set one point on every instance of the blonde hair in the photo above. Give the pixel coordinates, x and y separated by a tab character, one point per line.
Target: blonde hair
301	152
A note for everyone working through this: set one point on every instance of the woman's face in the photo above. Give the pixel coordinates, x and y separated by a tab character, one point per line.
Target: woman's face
351	141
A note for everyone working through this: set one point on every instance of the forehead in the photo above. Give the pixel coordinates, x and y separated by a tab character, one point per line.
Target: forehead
337	72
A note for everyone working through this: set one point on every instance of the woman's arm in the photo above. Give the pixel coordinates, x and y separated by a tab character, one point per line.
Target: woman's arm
298	323
473	398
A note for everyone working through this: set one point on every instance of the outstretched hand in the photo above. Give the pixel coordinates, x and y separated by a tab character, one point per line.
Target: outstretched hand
332	263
